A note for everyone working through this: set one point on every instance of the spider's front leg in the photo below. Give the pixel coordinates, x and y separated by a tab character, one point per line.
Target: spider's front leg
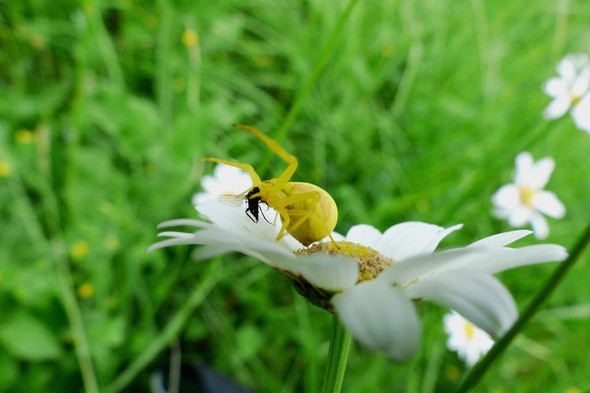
246	167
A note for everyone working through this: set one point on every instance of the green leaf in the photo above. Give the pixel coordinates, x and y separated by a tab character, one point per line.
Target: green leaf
26	337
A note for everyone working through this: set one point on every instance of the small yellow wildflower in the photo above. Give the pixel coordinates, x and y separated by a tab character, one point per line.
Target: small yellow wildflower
572	389
85	290
5	169
190	38
453	373
24	136
79	249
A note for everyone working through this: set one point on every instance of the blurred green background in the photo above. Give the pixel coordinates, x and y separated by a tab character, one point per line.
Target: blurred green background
418	114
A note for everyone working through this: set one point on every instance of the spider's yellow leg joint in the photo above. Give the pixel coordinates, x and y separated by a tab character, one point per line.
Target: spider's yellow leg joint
274	146
246	167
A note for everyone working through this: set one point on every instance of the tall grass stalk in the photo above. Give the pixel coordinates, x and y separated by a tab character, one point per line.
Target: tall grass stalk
479	370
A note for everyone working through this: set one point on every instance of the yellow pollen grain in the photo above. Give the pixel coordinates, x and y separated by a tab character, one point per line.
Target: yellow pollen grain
370	261
190	38
85	290
79	249
469	330
526	196
5	169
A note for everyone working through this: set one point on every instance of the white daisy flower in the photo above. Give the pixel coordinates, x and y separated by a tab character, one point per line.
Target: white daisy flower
570	90
469	341
371	280
525	201
226	179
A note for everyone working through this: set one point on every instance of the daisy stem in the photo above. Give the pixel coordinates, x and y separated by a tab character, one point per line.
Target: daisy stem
337	358
482	366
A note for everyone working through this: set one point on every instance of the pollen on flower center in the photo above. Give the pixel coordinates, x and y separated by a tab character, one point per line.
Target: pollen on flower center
526	196
575	99
469	330
370	261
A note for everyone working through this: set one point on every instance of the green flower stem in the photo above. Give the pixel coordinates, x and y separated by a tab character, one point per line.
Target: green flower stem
74	315
337	357
482	366
56	245
171	331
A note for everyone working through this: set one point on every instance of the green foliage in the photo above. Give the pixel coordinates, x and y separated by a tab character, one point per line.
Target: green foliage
417	115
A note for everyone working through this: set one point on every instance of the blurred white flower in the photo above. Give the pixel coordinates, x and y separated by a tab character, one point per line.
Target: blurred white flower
469	341
570	90
371	280
226	179
525	201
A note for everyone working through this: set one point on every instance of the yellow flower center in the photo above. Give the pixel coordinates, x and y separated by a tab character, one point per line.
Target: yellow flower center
469	330
526	196
370	261
575	99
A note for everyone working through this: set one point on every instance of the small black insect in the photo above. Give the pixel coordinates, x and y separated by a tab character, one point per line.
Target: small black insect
254	205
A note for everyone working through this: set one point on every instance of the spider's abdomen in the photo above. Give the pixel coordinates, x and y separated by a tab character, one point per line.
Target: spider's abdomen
315	203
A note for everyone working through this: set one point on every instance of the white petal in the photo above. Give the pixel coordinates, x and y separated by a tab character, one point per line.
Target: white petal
480	298
557	108
209	251
381	317
566	68
581	113
507	197
235	221
500	239
501	213
524	167
364	234
182	222
540	225
541	173
509	258
170	242
555	87
519	217
409	239
581	84
333	273
411	269
548	203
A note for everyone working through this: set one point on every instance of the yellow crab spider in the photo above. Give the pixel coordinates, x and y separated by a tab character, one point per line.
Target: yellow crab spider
307	212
